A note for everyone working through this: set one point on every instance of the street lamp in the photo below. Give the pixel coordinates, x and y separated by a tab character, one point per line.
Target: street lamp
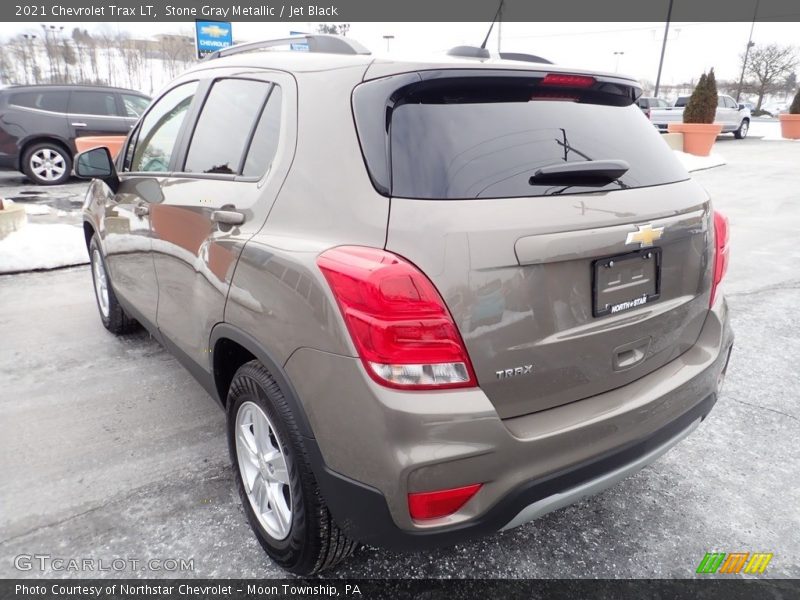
618	54
388	39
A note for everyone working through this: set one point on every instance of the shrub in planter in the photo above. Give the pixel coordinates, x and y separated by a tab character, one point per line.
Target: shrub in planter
790	122
698	127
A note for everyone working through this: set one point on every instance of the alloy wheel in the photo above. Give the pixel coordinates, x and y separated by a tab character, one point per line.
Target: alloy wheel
262	465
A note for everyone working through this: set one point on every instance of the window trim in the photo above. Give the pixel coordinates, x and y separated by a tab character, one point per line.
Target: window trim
287	143
133	138
181	172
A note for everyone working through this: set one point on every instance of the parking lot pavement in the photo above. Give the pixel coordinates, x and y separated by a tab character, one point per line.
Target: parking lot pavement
46	204
109	449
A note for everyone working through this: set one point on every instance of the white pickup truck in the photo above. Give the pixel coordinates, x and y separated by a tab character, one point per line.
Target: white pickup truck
734	118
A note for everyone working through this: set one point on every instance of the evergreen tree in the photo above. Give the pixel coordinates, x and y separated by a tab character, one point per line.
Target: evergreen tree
794	109
702	105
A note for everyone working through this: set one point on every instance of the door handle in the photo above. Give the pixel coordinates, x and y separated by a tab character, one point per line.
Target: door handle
141	210
227	217
78	124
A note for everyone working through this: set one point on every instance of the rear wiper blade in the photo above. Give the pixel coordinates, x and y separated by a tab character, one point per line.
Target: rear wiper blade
589	172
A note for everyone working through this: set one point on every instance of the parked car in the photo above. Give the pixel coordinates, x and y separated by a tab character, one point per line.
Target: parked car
39	124
735	118
420	333
647	103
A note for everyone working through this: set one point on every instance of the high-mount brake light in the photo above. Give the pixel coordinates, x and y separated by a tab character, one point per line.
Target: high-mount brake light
399	323
566	80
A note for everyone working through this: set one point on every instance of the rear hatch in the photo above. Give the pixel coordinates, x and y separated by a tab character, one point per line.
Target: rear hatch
566	274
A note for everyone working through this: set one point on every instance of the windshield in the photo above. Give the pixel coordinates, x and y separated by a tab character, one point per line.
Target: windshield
470	143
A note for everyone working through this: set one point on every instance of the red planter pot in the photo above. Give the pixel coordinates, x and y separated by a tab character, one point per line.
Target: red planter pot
790	126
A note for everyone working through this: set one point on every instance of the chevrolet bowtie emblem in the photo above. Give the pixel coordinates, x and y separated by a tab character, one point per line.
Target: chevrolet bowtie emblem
645	236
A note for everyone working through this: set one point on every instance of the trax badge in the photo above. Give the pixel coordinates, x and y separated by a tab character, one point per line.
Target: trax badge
645	236
506	373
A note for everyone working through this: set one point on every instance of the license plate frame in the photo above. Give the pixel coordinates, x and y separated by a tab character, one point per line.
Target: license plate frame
646	291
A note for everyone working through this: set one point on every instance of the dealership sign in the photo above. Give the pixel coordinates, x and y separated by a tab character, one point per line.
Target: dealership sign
211	36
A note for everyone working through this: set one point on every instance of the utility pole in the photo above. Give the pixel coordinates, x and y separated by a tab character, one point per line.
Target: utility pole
388	39
750	44
663	48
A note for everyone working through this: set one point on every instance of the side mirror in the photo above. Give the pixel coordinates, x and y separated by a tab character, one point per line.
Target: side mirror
741	107
97	164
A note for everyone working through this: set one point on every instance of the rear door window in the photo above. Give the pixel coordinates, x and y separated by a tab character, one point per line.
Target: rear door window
52	101
485	138
93	103
225	126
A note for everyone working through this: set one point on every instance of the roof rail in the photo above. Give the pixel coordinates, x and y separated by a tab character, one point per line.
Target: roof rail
325	43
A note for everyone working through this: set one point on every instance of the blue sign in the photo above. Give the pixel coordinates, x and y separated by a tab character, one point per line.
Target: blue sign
211	36
300	46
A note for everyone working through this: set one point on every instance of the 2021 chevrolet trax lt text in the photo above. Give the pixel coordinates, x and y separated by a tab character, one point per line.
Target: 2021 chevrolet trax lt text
435	299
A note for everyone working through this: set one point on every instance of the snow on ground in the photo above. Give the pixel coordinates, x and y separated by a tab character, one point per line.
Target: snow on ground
698	163
37	209
42	246
767	130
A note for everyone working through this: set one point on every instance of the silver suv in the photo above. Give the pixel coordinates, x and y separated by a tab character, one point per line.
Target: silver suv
435	299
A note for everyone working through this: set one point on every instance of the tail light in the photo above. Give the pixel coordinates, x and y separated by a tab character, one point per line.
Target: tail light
432	505
399	323
721	252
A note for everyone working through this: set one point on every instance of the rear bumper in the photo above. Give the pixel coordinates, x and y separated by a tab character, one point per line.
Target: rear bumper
370	452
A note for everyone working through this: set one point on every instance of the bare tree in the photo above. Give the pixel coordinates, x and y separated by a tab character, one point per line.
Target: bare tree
334	29
177	51
67	55
7	70
108	42
134	56
768	67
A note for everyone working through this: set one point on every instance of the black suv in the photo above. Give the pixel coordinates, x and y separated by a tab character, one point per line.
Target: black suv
39	124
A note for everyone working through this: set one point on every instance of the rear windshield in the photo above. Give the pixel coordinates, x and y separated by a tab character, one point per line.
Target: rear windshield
486	138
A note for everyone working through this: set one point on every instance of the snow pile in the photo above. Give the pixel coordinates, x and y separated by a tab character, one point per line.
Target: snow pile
36	209
42	247
767	130
691	162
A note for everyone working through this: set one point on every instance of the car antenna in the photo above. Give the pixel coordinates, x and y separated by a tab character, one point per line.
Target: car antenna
491	25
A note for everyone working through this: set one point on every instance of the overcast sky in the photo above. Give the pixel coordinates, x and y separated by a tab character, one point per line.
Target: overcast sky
691	49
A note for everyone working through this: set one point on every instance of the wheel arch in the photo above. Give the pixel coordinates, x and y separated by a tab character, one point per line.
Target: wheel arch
42	139
230	348
88	232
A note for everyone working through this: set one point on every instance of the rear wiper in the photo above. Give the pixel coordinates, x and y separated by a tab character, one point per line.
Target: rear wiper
590	172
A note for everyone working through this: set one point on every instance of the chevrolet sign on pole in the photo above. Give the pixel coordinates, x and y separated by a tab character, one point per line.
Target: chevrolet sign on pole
210	36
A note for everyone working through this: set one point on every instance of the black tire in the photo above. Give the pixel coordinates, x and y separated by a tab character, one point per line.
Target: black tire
744	127
61	160
314	541
113	317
